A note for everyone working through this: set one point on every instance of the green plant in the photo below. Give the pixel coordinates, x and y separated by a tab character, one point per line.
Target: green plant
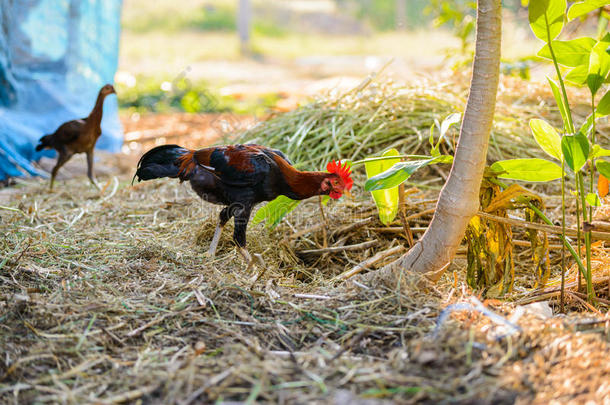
457	14
588	62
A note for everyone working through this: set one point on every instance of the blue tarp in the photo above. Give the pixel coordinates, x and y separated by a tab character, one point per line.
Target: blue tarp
54	57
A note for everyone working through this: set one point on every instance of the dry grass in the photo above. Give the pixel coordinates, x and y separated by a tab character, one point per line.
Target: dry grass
107	298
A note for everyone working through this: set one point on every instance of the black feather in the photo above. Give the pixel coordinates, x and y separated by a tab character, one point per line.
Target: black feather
159	162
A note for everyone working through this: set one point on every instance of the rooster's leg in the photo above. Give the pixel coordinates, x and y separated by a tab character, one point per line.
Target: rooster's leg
224	217
242	216
90	169
62	158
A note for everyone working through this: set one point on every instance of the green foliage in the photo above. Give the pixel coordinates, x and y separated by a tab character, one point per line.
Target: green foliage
207	18
448	122
385	200
603	107
575	150
603	167
381	14
571	53
182	95
531	170
581	8
547	137
459	15
599	64
546	17
590	63
273	212
563	108
593	200
598	151
397	174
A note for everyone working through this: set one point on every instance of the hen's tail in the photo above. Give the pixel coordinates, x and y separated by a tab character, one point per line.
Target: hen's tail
45	142
162	161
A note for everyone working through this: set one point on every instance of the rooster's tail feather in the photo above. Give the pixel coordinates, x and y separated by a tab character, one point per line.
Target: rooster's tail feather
163	161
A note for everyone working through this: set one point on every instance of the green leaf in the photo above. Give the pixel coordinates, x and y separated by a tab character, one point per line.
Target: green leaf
569	53
563	110
546	137
593	200
534	170
603	167
575	150
543	13
584	7
400	172
587	125
274	211
598	151
603	107
599	64
578	75
386	200
448	122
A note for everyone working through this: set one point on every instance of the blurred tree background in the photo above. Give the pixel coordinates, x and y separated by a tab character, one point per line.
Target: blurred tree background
173	52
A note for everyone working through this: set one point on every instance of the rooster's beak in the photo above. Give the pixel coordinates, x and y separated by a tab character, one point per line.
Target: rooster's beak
348	194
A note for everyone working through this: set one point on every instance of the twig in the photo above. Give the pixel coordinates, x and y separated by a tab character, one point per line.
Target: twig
540	227
210	383
325	227
305	231
421	214
154	322
334	249
403	215
526	243
130	395
585	303
397	229
353	226
313	296
368	263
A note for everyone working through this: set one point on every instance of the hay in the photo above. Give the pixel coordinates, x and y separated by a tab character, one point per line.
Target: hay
381	114
110	301
108	298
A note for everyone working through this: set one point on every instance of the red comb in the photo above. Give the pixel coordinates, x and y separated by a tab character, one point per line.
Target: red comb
343	171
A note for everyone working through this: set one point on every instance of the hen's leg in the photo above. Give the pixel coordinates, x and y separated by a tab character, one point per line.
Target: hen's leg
90	169
224	217
62	158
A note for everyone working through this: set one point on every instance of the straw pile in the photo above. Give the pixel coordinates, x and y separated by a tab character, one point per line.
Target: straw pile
381	114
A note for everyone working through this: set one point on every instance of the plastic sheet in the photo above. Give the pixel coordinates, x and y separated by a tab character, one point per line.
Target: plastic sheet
55	55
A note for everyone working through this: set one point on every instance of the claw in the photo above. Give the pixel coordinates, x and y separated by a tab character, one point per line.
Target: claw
246	257
262	265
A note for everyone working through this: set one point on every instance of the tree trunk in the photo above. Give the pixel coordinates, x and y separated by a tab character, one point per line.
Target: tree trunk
459	198
401	15
244	16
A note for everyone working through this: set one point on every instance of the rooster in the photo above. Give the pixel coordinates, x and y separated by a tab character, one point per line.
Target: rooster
239	177
77	136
